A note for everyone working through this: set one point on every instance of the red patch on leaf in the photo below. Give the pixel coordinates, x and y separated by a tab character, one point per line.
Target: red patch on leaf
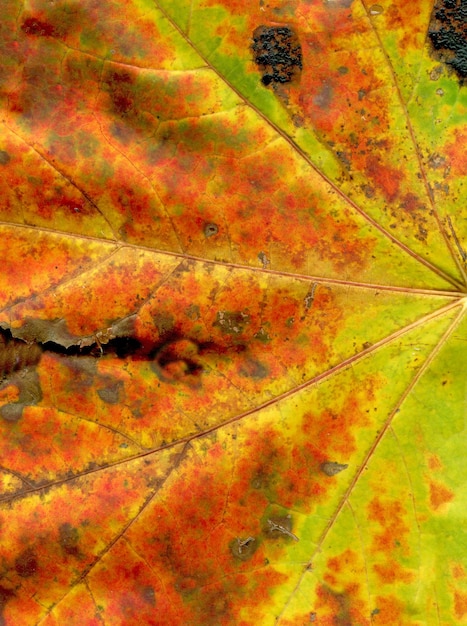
386	178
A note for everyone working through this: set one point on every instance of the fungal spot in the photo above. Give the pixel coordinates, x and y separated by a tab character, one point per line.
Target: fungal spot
277	53
330	468
26	564
4	157
278	526
243	549
68	538
210	229
447	33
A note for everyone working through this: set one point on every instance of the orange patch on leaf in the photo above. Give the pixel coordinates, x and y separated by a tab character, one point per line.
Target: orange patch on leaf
457	153
439	495
392	573
434	463
458	571
460	604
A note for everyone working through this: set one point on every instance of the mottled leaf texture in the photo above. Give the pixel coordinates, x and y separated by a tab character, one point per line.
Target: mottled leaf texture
233	323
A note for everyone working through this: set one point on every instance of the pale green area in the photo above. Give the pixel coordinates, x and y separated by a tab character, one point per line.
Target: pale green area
435	416
394	472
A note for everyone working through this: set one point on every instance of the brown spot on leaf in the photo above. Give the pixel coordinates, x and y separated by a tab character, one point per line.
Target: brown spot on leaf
232	322
4	157
149	595
68	538
210	229
252	368
243	549
279	526
26	564
331	468
111	394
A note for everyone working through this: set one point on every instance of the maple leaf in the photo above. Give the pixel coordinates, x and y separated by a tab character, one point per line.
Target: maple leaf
233	321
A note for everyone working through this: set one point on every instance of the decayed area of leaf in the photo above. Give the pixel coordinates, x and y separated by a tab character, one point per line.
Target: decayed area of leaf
232	322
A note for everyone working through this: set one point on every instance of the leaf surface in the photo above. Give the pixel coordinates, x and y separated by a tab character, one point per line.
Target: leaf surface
232	319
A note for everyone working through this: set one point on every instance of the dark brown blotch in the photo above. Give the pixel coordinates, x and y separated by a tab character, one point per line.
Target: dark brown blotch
26	564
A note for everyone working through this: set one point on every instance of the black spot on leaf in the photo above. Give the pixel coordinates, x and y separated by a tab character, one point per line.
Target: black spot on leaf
277	53
448	35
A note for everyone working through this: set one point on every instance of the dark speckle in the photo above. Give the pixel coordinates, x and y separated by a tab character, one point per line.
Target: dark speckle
26	564
4	157
277	53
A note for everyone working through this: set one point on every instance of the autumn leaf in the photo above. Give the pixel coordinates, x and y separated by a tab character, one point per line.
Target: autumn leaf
233	312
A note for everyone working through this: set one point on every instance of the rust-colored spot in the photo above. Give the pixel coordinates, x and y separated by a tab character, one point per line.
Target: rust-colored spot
458	571
391	573
460	604
439	495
